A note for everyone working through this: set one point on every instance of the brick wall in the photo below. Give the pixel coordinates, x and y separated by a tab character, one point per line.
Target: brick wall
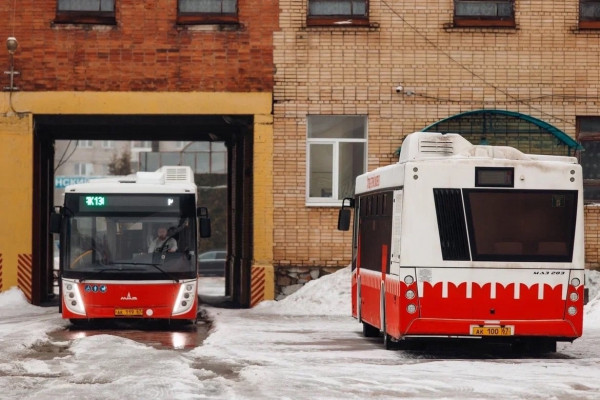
545	68
145	51
592	235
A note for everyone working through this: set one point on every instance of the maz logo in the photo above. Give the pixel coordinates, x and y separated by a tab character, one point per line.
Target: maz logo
129	297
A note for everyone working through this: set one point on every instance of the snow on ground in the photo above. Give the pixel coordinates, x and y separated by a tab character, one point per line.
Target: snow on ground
304	347
328	295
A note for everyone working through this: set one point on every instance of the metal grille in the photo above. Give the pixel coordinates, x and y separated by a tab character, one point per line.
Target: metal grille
441	146
177	174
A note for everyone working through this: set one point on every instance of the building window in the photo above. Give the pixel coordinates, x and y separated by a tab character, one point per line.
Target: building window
207	11
336	155
108	144
85	11
589	14
588	133
484	13
202	157
338	12
83	169
85	144
141	145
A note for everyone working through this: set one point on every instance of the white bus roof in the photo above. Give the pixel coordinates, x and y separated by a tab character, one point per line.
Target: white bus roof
167	179
433	147
428	145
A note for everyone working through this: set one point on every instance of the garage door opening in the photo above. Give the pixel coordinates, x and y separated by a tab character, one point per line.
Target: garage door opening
72	149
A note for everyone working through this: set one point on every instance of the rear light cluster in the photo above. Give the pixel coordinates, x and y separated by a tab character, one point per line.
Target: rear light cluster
573	296
410	295
72	297
185	298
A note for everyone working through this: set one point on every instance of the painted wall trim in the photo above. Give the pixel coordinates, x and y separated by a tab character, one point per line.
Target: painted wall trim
142	103
263	189
16	194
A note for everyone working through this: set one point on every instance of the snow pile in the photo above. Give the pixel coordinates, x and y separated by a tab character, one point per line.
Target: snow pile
13	303
592	282
591	318
328	295
23	324
592	313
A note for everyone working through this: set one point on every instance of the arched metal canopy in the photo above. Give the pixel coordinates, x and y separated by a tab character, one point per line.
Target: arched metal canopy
502	127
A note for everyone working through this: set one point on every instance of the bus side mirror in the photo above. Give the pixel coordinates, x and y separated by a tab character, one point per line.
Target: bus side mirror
55	221
204	222
344	215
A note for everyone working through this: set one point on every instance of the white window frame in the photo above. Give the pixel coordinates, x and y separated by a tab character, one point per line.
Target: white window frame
141	148
108	144
83	169
85	144
332	201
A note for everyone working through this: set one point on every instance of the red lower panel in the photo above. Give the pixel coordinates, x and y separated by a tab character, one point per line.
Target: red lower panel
532	312
481	304
370	300
354	291
102	300
446	327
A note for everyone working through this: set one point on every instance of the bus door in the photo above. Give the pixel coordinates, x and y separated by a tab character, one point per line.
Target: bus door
375	233
393	300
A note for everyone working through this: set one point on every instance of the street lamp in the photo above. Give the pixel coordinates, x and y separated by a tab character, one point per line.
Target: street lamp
11	45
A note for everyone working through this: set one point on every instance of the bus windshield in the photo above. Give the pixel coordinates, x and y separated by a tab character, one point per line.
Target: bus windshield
521	225
121	244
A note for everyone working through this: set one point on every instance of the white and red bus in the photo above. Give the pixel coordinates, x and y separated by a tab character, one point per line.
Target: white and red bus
468	241
108	265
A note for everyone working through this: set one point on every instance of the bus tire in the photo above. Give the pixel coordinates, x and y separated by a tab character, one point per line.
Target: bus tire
369	330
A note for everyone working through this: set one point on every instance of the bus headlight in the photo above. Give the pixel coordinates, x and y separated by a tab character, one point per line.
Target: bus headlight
411	308
72	296
575	282
185	298
408	279
410	294
572	310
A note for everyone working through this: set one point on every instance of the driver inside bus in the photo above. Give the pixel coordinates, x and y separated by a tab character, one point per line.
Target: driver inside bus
162	242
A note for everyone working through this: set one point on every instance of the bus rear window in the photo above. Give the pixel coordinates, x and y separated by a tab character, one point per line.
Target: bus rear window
521	225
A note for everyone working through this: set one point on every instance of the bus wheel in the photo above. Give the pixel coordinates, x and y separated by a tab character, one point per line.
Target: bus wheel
369	330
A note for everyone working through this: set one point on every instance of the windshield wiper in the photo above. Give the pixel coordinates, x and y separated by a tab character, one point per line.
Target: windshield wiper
168	275
114	269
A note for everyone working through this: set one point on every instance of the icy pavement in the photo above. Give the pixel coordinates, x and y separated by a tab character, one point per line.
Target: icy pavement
304	347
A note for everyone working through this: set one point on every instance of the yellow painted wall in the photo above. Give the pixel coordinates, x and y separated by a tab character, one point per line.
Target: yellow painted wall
16	188
263	188
16	151
263	200
146	103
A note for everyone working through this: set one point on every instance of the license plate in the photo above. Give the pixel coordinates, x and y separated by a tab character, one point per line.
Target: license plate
129	312
507	330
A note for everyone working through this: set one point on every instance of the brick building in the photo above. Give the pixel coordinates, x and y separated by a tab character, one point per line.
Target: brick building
155	70
306	93
397	67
